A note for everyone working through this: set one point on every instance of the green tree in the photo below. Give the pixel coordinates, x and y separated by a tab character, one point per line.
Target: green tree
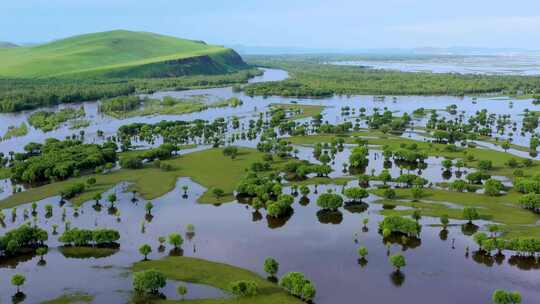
149	206
398	261
363	251
330	201
145	250
356	194
182	290
493	187
148	281
244	288
470	214
112	199
176	240
444	220
18	281
271	266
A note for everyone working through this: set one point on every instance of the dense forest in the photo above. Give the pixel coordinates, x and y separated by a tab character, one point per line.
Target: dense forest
25	94
311	76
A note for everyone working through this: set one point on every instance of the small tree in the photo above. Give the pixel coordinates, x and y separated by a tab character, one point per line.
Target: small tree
470	214
362	251
271	266
149	206
493	187
18	281
145	250
112	199
176	240
398	261
444	220
356	193
304	190
243	288
182	290
218	192
148	281
42	251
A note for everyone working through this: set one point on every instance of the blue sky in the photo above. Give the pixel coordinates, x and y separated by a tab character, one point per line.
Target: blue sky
336	24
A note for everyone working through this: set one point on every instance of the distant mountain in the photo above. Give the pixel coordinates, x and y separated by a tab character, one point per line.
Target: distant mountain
118	54
284	50
4	44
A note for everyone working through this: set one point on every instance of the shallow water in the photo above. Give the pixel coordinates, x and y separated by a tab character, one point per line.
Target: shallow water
254	105
307	242
511	64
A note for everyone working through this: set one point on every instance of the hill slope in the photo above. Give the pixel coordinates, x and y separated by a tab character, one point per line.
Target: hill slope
118	54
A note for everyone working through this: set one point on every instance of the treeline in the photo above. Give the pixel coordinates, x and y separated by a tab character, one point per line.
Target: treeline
120	104
22	239
58	160
26	94
312	77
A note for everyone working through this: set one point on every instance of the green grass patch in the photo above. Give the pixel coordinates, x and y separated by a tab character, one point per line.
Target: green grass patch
16	131
71	298
218	275
48	121
210	168
305	111
504	209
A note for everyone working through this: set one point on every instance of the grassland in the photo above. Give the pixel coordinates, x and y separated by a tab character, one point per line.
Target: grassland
502	209
71	298
16	131
174	107
109	53
210	168
218	275
304	111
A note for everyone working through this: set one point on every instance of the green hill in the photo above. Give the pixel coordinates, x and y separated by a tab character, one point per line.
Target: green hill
118	54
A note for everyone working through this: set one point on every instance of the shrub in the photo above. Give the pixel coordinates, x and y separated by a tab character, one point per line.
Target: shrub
148	281
243	288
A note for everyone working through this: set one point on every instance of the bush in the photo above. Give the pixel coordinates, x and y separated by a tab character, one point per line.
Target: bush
400	224
389	194
330	201
298	285
72	191
148	281
131	162
243	288
23	237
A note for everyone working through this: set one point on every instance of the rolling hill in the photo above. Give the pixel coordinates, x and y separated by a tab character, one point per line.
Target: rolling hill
118	54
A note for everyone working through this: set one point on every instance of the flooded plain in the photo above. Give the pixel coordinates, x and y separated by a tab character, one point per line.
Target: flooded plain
442	266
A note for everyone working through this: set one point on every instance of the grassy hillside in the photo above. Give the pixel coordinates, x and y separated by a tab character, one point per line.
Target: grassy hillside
118	54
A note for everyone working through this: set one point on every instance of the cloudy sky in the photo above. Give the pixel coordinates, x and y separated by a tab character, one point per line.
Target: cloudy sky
336	24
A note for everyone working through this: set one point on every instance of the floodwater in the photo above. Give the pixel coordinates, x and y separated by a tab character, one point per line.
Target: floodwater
322	245
502	64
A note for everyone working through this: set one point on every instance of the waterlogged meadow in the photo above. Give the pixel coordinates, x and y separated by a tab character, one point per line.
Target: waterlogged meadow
370	198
